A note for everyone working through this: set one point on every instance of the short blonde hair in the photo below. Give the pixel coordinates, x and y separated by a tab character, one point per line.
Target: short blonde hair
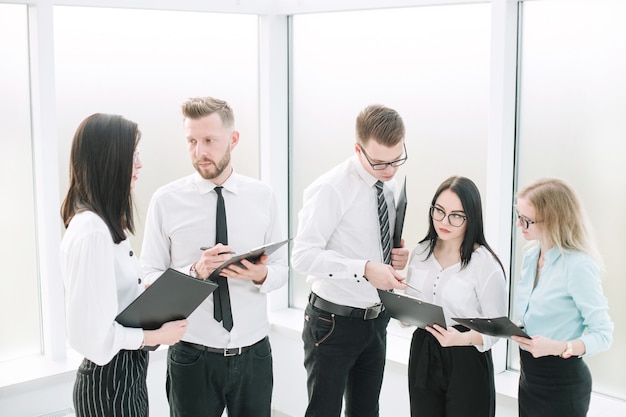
197	107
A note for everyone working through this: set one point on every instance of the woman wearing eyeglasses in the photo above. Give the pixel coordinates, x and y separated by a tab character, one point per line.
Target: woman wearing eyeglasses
451	370
560	302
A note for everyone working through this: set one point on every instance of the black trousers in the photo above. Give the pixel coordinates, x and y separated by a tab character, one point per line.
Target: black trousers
343	356
202	384
453	381
117	389
551	386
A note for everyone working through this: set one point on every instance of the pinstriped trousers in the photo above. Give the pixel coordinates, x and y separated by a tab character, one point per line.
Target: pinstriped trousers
117	389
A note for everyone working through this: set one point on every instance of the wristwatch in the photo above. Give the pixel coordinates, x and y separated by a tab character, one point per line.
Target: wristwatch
192	271
568	352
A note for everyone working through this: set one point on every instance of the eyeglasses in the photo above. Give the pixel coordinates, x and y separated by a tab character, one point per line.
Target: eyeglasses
455	219
136	156
523	221
379	166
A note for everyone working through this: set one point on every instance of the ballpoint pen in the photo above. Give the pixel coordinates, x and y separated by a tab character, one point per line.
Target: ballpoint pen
411	287
221	253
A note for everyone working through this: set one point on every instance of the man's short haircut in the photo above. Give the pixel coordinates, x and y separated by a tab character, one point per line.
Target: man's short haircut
379	123
198	107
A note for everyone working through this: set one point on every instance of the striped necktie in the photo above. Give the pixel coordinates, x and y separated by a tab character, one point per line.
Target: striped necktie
383	221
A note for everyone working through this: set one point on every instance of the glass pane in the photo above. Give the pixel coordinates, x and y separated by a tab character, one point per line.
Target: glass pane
572	124
144	70
20	336
431	64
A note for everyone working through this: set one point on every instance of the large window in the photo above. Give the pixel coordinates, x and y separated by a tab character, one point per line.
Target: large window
572	124
21	327
431	64
144	70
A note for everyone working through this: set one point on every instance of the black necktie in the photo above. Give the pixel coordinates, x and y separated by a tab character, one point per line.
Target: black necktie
221	297
383	221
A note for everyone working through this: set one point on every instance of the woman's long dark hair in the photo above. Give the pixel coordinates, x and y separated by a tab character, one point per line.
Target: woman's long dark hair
469	195
101	166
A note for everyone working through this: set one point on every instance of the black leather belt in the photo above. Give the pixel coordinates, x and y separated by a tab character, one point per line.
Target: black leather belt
368	313
222	351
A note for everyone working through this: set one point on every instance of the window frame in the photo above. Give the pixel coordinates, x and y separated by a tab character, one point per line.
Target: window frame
274	148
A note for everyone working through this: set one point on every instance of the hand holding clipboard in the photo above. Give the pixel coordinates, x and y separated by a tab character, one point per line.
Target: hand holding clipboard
252	255
498	326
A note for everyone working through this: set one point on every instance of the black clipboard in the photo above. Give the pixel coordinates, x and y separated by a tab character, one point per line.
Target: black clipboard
173	296
400	213
412	310
252	255
499	326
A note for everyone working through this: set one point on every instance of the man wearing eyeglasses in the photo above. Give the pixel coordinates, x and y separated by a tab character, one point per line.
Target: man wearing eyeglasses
343	245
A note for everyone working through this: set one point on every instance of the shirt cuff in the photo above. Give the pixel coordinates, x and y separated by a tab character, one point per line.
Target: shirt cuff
356	268
591	347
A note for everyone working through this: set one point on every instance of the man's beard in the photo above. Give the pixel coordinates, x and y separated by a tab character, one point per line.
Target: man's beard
216	169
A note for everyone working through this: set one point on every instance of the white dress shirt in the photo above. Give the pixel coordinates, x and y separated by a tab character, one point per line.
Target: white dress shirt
101	279
478	290
181	219
338	232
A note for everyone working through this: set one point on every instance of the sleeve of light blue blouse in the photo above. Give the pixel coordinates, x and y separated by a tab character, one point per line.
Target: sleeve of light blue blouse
585	287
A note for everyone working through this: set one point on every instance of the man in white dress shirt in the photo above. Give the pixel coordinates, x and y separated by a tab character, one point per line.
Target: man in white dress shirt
339	246
216	365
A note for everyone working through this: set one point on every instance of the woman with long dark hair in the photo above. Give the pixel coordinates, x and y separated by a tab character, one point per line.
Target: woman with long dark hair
102	275
450	369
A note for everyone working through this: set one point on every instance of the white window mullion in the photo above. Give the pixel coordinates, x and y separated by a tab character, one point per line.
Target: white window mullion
46	174
274	121
501	141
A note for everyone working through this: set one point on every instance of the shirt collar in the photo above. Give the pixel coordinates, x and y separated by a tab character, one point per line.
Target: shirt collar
551	256
368	178
206	186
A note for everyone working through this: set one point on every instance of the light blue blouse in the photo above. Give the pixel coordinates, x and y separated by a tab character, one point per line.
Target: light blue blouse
568	302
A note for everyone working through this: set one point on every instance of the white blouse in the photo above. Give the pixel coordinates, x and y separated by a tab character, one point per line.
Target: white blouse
101	279
478	290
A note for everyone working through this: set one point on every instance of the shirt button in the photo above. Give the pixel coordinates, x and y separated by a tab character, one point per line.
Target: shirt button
330	275
130	253
139	280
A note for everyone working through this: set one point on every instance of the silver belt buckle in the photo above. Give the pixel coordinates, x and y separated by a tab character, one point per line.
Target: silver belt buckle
372	312
232	351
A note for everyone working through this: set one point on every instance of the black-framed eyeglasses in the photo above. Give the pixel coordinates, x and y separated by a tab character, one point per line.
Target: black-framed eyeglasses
455	219
524	221
379	166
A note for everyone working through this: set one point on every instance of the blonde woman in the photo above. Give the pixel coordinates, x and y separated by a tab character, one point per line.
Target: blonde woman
560	302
